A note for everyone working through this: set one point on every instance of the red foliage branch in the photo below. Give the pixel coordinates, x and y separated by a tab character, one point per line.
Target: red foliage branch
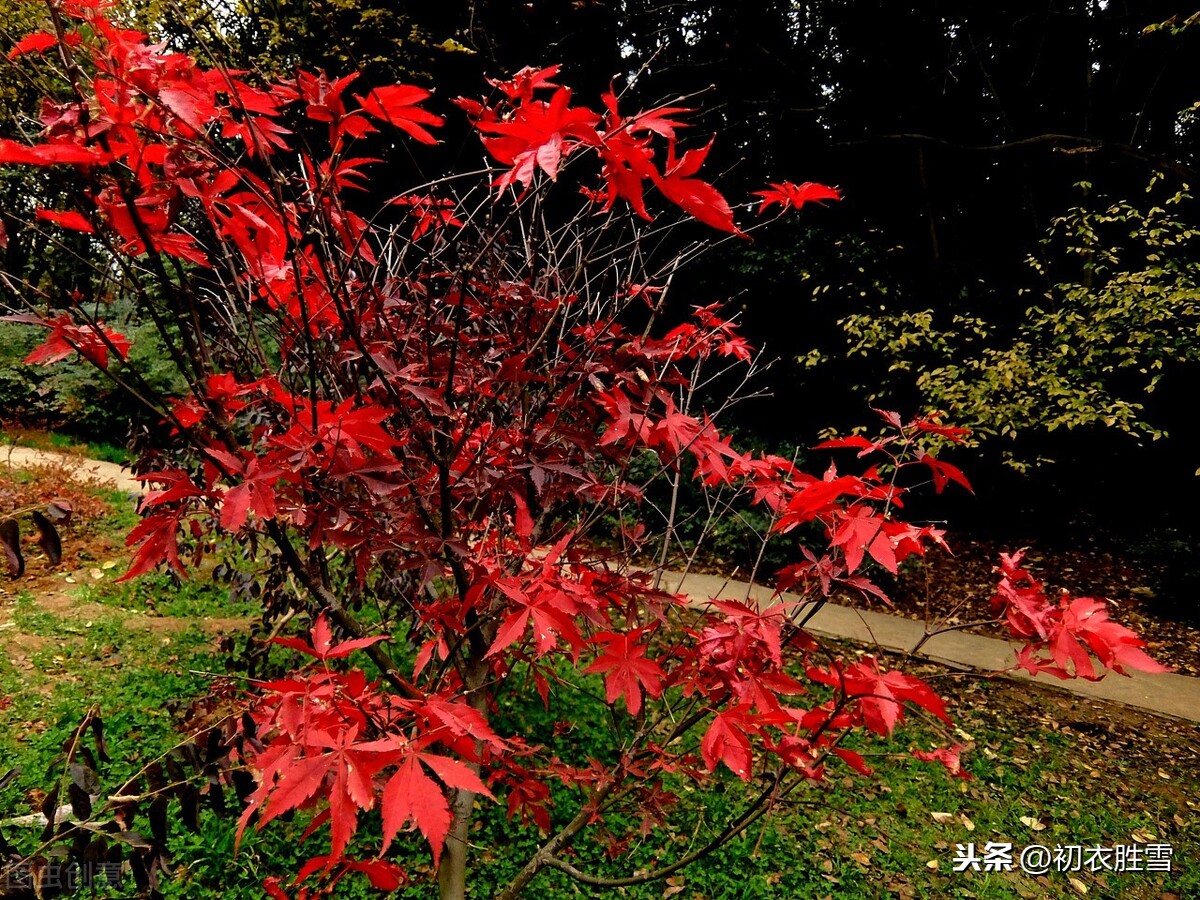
449	420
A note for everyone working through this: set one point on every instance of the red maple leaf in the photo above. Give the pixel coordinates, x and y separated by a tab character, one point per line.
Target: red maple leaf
383	875
52	154
854	441
881	695
930	425
815	497
627	669
429	212
411	795
1019	598
626	422
37	42
92	341
1114	645
944	473
322	646
545	604
67	219
255	491
657	120
725	741
396	104
862	531
675	430
1073	628
521	86
156	539
193	102
948	757
794	196
323	97
696	197
538	136
529	798
333	763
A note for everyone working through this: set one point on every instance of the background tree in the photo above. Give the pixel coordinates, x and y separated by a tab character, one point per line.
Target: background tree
1087	353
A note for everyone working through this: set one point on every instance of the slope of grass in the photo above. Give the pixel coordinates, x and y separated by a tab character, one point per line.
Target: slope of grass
1047	769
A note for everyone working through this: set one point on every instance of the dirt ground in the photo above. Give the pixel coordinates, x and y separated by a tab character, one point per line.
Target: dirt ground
93	550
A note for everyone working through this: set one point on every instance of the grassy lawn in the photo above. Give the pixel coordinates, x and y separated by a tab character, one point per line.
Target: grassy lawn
1047	769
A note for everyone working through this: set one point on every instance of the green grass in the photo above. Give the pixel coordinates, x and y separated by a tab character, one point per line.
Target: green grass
133	651
847	837
129	671
852	837
166	595
863	837
91	449
122	514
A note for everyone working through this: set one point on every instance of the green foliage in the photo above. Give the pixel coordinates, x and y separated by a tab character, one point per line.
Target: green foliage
74	660
382	40
172	597
1177	24
73	396
64	443
1121	310
16	20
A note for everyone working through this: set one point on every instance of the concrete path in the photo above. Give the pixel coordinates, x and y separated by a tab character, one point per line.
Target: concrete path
1170	694
95	470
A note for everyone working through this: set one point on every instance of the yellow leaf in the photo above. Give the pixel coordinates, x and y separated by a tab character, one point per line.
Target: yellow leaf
450	45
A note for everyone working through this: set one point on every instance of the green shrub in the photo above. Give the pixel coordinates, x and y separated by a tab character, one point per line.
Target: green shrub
1120	309
72	397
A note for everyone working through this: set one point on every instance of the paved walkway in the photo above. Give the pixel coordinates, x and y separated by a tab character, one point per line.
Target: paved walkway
1170	694
95	470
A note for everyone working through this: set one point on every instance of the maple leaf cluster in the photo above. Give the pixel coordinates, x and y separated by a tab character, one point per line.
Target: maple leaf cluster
324	741
438	415
1066	639
92	340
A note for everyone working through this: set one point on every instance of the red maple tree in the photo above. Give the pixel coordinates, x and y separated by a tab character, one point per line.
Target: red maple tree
441	423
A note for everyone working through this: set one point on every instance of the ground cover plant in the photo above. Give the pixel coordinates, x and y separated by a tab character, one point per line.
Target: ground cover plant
1070	768
405	418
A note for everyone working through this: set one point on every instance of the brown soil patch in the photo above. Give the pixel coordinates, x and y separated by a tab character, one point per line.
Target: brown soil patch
18	648
66	605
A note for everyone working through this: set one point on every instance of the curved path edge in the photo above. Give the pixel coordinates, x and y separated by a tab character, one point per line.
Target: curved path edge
94	470
1168	695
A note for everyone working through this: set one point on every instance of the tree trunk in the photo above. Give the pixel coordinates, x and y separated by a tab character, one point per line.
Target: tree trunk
452	870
